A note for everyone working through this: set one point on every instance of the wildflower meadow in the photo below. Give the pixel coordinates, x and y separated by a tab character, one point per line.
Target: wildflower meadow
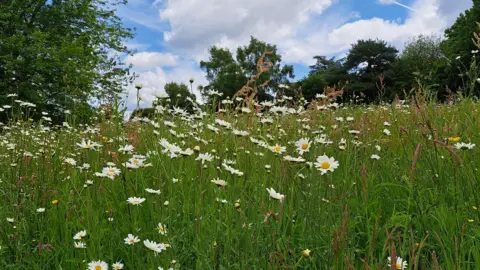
270	186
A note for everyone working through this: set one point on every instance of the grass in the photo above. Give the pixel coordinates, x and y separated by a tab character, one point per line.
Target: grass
418	201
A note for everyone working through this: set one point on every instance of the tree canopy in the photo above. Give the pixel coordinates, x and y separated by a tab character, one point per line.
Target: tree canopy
227	74
60	54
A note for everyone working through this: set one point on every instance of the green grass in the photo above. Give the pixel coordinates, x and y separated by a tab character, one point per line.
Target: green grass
352	218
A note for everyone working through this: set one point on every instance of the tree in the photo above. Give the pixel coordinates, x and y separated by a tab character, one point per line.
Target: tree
312	85
325	72
179	95
366	62
247	58
421	60
223	73
227	75
459	48
458	38
59	54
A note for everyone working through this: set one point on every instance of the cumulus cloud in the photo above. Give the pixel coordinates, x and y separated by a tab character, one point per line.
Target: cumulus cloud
198	24
149	60
153	82
430	17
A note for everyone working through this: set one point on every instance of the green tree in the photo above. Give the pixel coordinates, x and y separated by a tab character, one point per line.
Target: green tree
421	59
458	37
61	54
227	74
367	61
247	58
179	95
223	73
460	49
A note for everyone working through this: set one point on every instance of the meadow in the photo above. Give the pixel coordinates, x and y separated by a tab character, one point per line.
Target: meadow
265	186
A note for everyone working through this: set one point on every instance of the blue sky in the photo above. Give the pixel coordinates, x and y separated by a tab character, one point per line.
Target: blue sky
172	36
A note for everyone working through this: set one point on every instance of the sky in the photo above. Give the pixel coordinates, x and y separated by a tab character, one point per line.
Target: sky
172	36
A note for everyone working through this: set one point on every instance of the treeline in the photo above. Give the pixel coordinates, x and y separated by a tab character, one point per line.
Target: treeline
371	71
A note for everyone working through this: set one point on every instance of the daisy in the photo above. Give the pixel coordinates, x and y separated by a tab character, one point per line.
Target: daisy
325	164
135	200
152	191
97	265
80	245
117	265
126	149
204	157
40	210
464	146
156	247
162	229
386	132
303	145
70	161
87	144
275	195
131	239
218	182
293	159
400	264
80	235
241	133
278	149
109	172
374	156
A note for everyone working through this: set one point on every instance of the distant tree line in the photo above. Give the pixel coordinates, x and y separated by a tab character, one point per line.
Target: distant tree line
372	70
63	55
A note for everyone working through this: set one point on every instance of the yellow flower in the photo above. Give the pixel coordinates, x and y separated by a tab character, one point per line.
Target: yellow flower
474	207
55	202
306	252
471	220
453	139
104	138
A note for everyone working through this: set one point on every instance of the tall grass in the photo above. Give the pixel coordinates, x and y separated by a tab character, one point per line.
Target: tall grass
418	201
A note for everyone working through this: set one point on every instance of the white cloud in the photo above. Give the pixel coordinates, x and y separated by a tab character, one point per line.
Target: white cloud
198	24
153	82
431	17
149	60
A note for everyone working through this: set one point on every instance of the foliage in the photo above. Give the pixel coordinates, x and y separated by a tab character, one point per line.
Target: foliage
179	95
325	72
420	60
408	190
223	73
366	62
227	75
61	54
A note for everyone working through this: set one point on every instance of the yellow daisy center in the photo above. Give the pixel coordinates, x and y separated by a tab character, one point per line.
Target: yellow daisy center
98	267
131	241
325	165
277	148
111	171
398	266
304	146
